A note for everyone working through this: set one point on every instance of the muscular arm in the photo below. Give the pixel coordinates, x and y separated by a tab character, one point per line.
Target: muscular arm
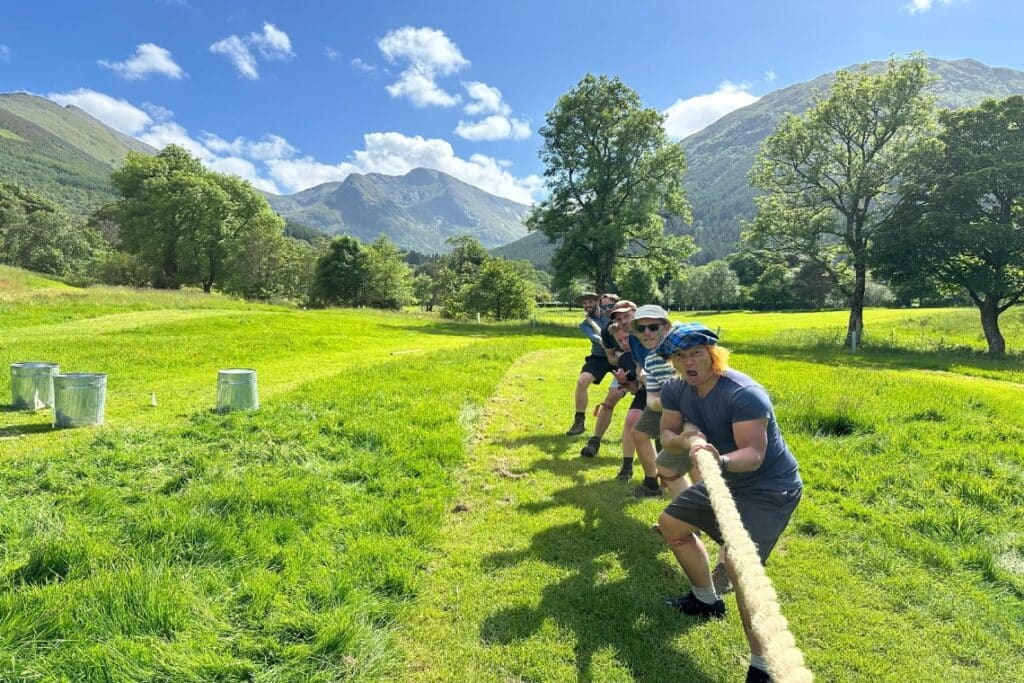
751	439
676	434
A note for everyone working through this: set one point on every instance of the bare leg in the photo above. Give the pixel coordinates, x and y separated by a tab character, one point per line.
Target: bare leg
692	556
604	417
628	442
673	486
645	452
582	385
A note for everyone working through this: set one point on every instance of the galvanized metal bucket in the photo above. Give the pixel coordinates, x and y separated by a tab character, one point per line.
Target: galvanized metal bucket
237	390
32	384
79	399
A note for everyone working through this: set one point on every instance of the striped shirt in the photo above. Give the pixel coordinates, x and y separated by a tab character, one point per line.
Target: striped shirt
658	372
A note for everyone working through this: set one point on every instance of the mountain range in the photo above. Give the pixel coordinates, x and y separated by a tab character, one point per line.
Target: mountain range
720	156
67	156
418	210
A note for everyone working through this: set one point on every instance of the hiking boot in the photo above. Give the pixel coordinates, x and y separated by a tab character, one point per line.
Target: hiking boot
644	492
624	475
720	580
755	675
578	427
592	447
690	605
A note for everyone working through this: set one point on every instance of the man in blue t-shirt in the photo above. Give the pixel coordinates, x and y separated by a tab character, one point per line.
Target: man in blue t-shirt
735	416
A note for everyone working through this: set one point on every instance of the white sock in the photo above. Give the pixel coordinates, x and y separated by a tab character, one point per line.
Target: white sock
758	662
706	595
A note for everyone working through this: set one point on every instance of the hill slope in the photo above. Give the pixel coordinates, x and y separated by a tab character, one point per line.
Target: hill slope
720	156
418	210
61	153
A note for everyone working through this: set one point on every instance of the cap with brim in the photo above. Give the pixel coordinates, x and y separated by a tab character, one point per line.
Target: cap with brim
684	336
649	311
622	306
587	296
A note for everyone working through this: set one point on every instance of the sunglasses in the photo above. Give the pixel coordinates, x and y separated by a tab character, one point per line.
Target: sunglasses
653	327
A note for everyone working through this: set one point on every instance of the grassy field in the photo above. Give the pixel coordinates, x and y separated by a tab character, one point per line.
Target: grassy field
405	507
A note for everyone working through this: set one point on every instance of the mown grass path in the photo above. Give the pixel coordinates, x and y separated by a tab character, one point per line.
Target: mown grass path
903	562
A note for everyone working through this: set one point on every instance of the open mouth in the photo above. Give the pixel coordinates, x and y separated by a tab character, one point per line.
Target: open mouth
691	373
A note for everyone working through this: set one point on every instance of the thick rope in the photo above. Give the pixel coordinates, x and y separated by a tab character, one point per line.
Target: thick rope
785	661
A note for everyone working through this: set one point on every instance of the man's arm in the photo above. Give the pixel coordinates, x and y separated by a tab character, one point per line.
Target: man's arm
591	330
751	437
676	434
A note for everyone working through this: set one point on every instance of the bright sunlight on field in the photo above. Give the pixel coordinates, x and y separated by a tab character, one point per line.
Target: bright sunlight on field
405	505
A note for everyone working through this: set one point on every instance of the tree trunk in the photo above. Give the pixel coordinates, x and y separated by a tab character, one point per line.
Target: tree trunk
989	309
856	324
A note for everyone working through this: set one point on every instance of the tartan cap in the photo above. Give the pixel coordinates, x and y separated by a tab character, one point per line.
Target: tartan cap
685	336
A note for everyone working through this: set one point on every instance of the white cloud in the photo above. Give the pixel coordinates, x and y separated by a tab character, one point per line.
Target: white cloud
428	53
424	47
770	76
494	127
5	52
157	112
117	114
269	147
331	53
688	116
171	133
362	66
396	154
272	43
920	6
148	59
421	90
486	99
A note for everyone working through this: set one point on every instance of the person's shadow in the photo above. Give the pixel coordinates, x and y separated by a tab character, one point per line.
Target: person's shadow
613	598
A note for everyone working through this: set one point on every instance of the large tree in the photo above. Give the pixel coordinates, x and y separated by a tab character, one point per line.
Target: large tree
185	221
961	218
830	176
612	176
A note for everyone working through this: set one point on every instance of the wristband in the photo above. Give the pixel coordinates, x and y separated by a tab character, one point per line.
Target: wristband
723	462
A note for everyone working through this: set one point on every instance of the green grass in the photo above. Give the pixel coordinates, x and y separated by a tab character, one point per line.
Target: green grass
405	507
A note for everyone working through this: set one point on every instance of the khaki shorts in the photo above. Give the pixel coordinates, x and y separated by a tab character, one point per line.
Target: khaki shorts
677	462
649	423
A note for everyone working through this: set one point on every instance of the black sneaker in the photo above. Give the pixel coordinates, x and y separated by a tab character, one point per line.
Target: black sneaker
755	675
578	427
592	447
624	475
644	492
689	604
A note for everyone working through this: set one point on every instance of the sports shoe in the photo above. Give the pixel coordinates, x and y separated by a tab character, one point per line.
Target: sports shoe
644	492
755	675
578	427
624	475
720	580
689	604
592	447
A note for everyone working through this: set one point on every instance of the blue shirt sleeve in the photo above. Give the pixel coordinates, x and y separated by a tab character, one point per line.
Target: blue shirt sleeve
751	403
588	331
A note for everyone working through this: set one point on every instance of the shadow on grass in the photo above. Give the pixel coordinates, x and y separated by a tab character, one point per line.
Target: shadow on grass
23	430
612	599
884	357
556	445
488	329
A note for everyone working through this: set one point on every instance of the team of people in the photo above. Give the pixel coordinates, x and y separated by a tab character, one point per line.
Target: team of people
684	397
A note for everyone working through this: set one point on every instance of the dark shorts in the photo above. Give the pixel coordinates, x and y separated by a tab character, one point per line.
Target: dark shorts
764	513
598	366
677	462
649	423
639	400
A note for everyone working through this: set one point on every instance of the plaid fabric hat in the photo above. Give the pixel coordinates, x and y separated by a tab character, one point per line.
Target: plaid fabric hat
685	336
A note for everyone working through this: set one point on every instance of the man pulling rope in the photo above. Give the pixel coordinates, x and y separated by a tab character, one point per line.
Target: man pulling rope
751	486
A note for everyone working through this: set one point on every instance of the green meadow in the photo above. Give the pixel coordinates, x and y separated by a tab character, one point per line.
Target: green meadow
404	506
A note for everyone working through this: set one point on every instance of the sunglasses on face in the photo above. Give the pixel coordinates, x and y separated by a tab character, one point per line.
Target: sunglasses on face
653	327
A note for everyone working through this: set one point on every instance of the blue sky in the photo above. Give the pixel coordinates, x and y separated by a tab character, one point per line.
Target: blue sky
293	94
